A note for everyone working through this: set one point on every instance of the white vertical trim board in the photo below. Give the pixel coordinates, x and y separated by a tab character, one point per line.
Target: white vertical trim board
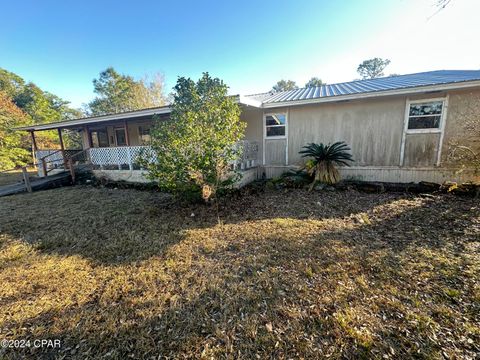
442	128
287	120
405	126
263	137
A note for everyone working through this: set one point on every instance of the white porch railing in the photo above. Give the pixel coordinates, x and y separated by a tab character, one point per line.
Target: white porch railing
127	157
124	156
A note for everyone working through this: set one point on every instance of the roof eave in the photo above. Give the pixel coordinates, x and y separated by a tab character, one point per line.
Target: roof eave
94	120
403	91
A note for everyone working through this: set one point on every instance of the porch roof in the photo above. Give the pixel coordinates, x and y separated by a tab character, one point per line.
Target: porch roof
76	123
137	114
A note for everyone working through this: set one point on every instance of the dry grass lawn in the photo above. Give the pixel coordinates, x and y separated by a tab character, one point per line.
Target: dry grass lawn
120	274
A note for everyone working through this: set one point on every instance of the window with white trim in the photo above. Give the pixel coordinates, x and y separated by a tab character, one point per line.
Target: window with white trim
275	125
425	115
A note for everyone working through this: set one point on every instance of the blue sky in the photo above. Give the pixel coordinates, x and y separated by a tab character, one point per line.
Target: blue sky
63	45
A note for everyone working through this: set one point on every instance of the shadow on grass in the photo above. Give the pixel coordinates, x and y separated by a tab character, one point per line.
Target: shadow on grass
288	275
119	226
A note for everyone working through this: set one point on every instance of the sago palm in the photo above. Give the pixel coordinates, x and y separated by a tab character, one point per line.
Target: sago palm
322	166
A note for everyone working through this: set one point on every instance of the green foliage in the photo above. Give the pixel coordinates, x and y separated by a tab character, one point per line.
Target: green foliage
284	85
314	81
119	93
324	158
40	105
11	83
372	68
195	146
11	152
296	178
28	104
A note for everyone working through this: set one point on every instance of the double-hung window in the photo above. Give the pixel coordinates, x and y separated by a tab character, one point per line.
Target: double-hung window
275	125
425	116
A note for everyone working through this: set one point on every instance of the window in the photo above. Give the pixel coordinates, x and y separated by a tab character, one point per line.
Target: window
121	137
144	134
425	115
275	125
99	138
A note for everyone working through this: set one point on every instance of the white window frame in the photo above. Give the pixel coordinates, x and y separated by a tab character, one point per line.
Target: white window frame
265	126
440	130
427	130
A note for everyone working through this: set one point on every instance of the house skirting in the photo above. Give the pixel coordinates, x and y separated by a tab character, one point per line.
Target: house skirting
359	173
132	176
140	176
389	174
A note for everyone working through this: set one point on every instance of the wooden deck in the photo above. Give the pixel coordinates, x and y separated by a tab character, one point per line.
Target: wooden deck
53	181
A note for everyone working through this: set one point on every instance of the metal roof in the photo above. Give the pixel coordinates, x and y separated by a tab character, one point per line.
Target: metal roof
371	85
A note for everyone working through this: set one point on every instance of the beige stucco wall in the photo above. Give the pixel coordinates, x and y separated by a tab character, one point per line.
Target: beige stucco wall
372	128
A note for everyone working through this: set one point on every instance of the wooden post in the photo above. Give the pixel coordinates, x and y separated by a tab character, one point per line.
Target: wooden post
34	148
89	136
62	147
127	139
34	141
26	179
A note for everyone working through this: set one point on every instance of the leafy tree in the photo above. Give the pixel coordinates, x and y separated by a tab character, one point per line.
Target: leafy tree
196	145
118	93
314	81
22	104
372	68
325	157
150	91
284	85
11	83
40	105
11	152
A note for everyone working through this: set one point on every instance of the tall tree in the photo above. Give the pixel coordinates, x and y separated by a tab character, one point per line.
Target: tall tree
314	81
284	85
118	93
372	68
196	145
40	105
12	153
24	103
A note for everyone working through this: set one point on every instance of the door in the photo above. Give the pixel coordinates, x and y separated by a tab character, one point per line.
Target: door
275	139
120	137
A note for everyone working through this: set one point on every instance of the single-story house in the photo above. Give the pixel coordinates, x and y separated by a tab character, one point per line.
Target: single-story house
399	128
